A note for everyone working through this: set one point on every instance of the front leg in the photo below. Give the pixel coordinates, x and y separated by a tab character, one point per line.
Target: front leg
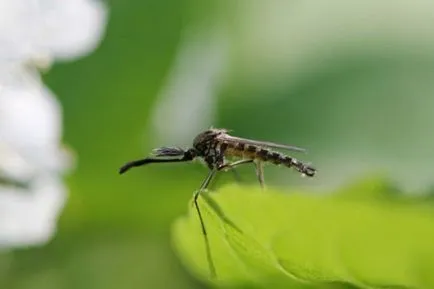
196	194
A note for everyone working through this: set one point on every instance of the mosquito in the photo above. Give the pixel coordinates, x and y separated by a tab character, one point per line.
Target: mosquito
214	146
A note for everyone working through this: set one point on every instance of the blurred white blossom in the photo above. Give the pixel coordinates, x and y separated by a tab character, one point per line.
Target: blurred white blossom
47	29
33	34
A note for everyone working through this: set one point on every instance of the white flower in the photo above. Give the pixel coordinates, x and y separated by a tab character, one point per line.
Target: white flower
31	192
47	29
34	160
28	216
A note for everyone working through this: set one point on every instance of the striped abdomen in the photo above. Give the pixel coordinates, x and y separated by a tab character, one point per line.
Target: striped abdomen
247	151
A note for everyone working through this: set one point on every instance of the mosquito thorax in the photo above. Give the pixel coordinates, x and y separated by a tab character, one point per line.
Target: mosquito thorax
207	139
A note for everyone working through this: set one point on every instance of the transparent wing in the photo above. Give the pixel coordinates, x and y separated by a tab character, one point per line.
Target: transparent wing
230	138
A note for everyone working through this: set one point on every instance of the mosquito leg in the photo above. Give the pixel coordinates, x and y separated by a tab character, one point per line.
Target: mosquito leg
203	187
231	166
202	224
234	164
260	173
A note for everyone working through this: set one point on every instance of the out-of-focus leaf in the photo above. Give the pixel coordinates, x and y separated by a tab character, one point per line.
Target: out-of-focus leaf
300	240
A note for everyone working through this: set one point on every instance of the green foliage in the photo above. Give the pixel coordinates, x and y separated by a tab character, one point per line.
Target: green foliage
298	239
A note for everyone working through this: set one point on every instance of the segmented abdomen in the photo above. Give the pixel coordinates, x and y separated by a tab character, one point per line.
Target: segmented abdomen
248	151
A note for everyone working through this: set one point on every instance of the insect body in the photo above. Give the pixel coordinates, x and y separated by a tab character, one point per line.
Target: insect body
215	146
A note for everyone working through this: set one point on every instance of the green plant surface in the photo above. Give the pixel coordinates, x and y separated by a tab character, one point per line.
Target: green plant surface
297	239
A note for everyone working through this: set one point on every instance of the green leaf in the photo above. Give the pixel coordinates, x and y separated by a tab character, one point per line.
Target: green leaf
298	239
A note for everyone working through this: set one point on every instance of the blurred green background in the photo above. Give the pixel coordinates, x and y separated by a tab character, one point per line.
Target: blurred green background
351	82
